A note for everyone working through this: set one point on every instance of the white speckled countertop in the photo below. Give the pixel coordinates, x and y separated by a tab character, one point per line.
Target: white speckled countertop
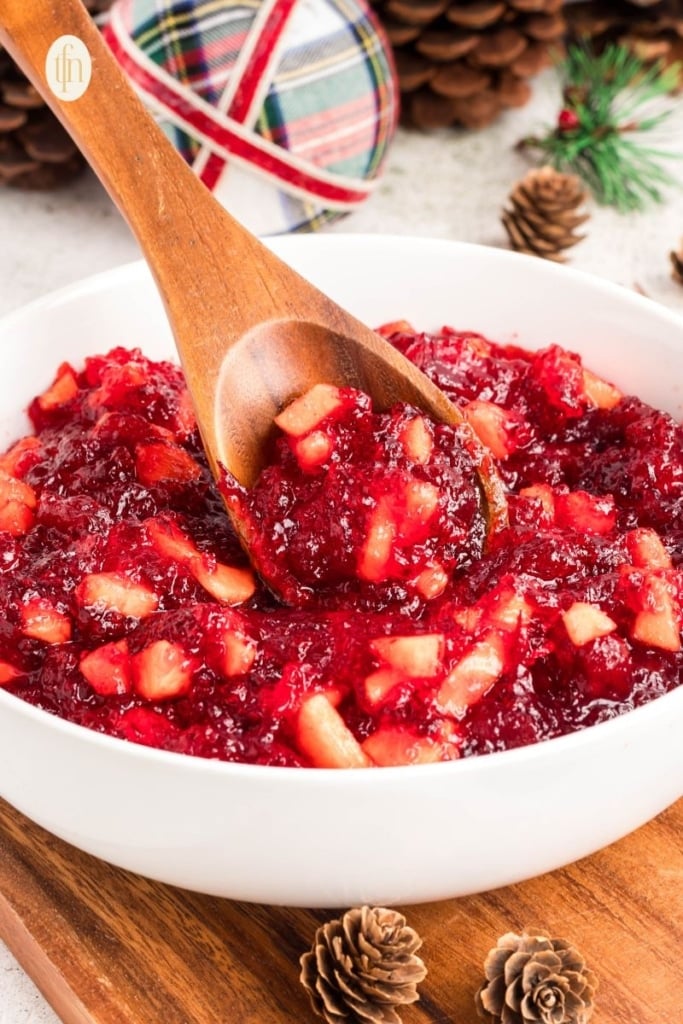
448	185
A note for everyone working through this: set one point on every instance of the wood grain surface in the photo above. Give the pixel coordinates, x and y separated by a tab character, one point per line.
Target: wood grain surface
109	947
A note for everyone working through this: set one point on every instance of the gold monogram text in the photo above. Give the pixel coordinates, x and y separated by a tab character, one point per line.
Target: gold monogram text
68	69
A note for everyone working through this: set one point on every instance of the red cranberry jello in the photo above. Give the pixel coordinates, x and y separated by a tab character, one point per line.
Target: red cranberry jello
399	629
362	508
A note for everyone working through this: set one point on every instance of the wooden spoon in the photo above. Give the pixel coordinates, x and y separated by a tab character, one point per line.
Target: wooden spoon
251	333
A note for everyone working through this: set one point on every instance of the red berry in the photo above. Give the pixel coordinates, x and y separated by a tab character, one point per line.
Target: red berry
567	120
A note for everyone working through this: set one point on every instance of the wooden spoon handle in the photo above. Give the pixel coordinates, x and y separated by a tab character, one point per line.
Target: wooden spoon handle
216	279
192	244
129	153
220	285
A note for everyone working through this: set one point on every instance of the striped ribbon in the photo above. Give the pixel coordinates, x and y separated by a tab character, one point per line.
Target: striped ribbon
225	131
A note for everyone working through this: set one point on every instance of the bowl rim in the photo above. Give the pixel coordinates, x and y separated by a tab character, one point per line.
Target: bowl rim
137	270
114	276
481	763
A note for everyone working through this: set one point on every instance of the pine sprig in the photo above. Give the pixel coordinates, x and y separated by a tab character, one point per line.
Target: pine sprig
611	102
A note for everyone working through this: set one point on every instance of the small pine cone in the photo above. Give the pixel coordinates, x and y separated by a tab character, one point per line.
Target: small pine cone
543	216
534	980
677	264
362	966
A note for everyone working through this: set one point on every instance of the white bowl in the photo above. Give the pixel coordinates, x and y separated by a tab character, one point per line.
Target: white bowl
390	835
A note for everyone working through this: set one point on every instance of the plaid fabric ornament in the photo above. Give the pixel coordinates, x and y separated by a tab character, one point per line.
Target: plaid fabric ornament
284	108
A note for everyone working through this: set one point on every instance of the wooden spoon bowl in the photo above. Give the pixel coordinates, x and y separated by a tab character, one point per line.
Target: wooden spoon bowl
251	333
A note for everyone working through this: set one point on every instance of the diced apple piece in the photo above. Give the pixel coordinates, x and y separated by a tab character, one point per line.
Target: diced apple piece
599	392
396	327
162	671
421	499
417	440
379	543
107	669
164	462
226	583
542	493
170	541
306	412
432	582
510	610
657	629
585	513
324	737
61	391
491	423
112	591
40	620
394	746
313	449
658	624
585	622
335	695
239	652
185	421
17	502
416	656
115	426
468	618
647	550
23	454
15	518
560	374
450	735
473	676
378	685
117	380
12	489
8	673
477	346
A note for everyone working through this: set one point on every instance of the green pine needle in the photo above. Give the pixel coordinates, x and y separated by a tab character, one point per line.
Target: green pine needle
611	101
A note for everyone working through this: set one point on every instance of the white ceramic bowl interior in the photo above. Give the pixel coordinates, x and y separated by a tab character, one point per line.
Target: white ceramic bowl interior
337	838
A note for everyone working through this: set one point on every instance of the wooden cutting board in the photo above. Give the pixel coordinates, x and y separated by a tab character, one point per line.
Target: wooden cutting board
108	947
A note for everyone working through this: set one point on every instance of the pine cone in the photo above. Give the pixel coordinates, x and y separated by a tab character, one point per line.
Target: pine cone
362	966
35	151
465	62
677	264
542	217
534	980
651	29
